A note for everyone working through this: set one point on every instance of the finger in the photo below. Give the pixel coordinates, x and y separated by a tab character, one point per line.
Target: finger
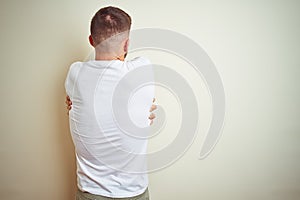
68	102
152	116
153	107
69	107
151	122
68	98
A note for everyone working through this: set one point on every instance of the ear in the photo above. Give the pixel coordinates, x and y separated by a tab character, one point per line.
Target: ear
91	40
126	45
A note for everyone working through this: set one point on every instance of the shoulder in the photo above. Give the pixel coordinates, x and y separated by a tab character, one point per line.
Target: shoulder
74	68
75	65
71	76
137	62
140	60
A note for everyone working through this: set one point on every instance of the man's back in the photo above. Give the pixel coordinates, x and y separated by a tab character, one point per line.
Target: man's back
106	156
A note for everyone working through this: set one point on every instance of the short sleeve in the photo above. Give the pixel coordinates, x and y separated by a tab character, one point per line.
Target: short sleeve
71	78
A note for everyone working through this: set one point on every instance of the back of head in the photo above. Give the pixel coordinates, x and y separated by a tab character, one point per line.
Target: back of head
108	22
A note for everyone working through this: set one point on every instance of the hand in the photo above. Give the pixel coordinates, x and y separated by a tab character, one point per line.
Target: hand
152	115
68	103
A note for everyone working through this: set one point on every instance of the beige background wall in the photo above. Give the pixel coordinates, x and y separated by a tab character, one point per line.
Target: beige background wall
255	46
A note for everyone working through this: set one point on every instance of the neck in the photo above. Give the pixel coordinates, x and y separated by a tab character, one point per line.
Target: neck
109	57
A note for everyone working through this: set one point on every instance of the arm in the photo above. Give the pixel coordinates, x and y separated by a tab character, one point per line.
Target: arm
151	117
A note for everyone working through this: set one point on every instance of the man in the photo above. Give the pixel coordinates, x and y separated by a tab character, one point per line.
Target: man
109	161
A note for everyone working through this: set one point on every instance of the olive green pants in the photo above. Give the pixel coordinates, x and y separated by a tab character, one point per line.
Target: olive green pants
87	196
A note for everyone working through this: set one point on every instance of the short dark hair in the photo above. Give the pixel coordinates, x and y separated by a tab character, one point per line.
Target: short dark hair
109	21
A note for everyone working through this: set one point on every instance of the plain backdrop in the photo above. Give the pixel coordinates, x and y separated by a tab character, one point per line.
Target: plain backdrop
255	46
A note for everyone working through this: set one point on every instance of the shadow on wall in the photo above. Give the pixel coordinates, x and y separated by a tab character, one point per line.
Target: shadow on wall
66	147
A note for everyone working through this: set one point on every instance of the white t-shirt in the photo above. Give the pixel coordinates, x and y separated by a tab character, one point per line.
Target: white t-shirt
111	161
